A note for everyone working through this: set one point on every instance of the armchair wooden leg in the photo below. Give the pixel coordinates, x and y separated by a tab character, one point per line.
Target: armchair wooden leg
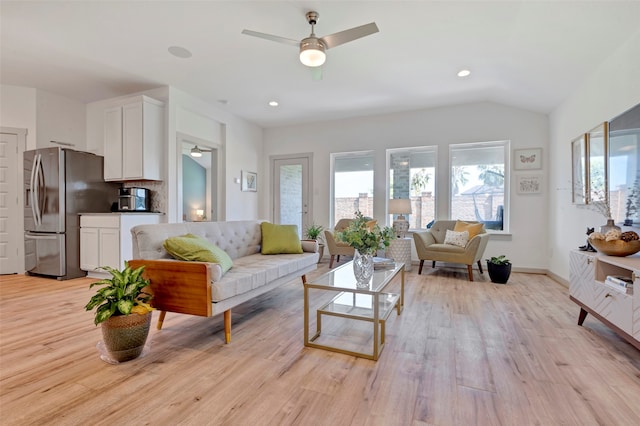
433	264
480	267
331	261
161	319
420	268
227	326
338	259
470	269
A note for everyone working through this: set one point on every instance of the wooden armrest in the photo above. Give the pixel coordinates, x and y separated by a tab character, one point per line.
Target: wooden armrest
177	286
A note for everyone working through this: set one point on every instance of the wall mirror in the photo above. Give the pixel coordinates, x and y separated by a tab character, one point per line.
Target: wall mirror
597	165
579	169
624	167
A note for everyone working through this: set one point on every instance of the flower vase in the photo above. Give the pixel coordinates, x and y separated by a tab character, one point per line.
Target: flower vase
609	226
362	268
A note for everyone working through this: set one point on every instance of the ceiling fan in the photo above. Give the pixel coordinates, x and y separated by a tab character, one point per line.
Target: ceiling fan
312	48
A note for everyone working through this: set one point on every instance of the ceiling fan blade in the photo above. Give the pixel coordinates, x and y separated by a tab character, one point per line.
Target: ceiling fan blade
279	39
336	39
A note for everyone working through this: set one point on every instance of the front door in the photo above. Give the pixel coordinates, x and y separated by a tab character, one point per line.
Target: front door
291	189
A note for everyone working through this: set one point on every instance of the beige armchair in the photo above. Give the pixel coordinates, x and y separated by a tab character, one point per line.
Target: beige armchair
338	248
430	246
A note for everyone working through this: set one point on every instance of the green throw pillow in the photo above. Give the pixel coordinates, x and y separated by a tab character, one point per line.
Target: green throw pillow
193	248
279	239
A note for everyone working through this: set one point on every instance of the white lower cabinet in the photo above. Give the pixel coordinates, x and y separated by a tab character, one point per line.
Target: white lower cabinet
614	307
105	239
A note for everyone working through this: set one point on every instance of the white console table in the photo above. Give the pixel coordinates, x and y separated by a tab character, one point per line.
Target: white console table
617	310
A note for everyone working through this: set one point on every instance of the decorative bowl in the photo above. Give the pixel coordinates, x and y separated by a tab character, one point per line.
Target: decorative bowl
616	247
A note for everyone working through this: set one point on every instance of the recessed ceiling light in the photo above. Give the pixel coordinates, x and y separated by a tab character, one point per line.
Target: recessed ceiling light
273	103
179	52
463	73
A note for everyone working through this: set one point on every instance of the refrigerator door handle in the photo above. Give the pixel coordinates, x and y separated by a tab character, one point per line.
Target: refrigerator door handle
30	236
32	189
36	188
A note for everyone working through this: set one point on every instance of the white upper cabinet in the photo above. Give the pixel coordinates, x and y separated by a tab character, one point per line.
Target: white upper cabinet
133	140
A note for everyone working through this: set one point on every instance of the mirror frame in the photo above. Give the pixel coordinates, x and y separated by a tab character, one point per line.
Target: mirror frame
595	194
579	177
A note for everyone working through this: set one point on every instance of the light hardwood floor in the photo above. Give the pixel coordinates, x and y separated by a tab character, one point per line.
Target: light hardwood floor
461	353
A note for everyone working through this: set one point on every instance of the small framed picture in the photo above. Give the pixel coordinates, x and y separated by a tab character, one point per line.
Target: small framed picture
527	159
529	184
249	181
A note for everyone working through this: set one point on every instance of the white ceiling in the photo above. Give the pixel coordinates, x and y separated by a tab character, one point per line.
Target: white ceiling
529	54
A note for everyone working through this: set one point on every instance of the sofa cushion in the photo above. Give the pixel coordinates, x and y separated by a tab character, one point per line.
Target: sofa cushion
193	248
257	270
472	228
459	239
279	239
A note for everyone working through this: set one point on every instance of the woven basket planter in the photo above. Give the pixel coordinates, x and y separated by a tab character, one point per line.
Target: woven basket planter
125	335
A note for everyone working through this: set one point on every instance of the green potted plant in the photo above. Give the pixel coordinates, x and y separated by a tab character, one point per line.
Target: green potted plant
366	237
314	233
123	311
499	268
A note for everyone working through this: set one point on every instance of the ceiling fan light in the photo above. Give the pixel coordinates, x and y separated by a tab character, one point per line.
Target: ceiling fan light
312	52
196	152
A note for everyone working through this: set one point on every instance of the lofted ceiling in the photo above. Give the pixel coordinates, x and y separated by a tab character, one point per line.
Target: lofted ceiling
528	54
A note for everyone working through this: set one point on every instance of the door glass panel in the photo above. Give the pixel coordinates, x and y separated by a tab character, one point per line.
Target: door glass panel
291	195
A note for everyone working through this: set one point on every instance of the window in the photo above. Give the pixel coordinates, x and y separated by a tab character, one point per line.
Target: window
479	179
412	175
352	184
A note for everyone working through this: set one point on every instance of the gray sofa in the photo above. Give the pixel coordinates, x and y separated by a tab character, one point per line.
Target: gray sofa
200	288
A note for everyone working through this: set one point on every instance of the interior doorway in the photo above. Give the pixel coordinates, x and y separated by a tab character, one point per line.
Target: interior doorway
200	176
292	190
12	146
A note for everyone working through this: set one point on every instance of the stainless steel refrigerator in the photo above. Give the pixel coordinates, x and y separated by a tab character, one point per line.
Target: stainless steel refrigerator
59	184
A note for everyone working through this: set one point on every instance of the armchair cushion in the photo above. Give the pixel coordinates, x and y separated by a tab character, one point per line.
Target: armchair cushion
459	239
472	228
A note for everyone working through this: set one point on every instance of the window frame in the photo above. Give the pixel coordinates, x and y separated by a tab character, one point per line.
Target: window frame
433	149
506	145
332	169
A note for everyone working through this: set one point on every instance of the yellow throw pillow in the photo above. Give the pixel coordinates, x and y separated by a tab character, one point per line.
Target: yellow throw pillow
194	248
472	228
280	239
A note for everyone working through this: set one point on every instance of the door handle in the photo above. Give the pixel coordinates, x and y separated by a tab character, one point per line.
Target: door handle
40	237
35	189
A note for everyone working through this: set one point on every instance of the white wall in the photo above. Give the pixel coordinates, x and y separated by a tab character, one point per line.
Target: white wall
60	119
612	89
437	126
18	109
241	150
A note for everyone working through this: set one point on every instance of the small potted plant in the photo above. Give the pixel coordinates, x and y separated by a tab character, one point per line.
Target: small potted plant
314	233
499	268
123	312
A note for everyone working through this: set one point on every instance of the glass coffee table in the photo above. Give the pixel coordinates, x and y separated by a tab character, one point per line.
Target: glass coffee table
370	304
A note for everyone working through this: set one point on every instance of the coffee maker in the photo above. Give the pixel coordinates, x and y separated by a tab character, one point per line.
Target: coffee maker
134	200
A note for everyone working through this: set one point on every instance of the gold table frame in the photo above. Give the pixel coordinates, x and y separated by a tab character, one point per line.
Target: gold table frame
342	280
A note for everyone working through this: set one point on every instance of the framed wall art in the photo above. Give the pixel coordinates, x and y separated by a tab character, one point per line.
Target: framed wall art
249	181
579	170
529	184
527	159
